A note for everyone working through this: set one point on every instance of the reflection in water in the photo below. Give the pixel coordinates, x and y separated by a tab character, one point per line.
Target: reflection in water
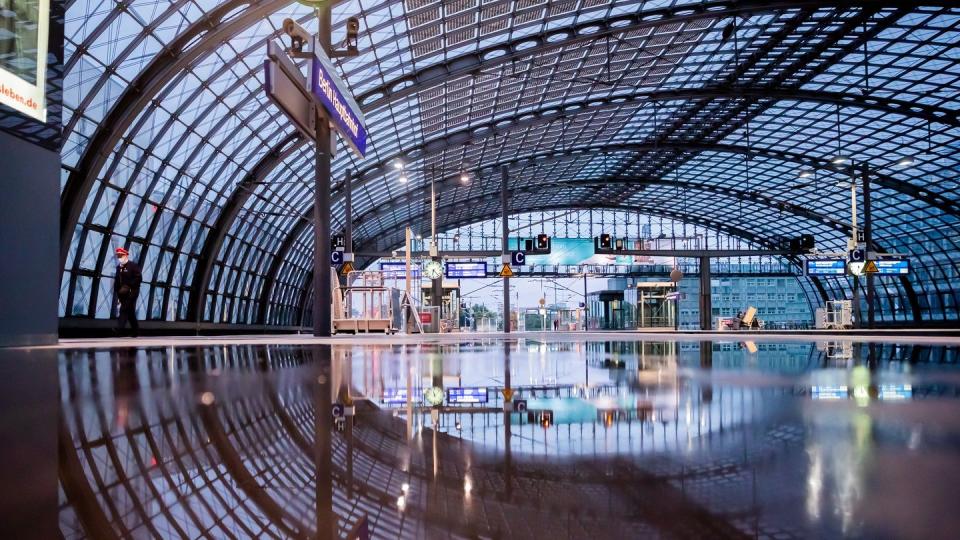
623	438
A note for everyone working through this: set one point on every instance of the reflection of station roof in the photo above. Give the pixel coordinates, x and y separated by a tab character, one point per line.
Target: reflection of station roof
141	455
703	112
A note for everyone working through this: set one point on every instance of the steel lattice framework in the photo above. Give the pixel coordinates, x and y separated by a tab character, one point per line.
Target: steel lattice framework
171	149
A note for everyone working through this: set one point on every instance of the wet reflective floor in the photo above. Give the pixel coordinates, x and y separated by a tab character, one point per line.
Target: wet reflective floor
604	439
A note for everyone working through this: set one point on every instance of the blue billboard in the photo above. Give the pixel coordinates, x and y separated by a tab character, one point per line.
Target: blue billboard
826	267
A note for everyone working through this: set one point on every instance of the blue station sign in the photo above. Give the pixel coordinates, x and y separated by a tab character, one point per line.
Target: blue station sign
343	111
893	267
826	267
457	270
466	395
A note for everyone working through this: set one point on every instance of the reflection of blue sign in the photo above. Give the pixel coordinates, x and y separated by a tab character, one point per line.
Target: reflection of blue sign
336	99
398	270
466	269
466	395
826	267
893	267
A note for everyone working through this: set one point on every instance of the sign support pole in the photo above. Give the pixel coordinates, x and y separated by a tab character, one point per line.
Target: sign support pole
505	238
706	309
868	240
322	294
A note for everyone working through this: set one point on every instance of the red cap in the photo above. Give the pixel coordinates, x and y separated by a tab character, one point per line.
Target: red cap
121	251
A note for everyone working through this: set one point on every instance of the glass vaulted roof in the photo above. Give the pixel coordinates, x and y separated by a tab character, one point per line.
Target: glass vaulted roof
697	111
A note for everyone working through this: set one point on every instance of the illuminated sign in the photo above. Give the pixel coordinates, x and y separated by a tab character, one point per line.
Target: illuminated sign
398	270
24	34
398	396
826	267
893	267
342	109
466	395
466	270
829	392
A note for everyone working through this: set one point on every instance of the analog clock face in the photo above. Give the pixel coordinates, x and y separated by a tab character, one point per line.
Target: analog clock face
433	270
434	395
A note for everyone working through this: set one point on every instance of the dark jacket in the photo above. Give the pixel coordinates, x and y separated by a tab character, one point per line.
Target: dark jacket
126	284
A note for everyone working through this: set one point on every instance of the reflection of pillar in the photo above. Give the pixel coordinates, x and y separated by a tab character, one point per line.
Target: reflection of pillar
30	419
507	408
322	454
868	243
706	307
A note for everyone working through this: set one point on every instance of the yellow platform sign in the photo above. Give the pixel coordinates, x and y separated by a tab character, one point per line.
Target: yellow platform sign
507	394
506	271
870	267
346	268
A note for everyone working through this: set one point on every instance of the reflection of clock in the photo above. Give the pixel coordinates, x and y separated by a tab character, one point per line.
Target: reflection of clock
434	395
433	270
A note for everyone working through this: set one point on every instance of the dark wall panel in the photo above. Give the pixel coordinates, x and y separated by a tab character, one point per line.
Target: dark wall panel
29	242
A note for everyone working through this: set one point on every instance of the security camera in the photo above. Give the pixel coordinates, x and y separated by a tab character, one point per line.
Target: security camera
298	35
353	30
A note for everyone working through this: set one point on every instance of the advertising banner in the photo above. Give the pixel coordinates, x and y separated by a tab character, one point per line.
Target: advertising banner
24	32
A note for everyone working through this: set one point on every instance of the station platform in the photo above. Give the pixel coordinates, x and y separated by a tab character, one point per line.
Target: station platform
916	336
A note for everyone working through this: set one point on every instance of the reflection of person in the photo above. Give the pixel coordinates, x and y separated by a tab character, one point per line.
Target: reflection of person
126	285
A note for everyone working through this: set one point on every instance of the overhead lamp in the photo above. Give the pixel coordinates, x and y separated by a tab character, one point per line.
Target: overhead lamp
906	161
805	173
398	164
464	177
839	159
403	178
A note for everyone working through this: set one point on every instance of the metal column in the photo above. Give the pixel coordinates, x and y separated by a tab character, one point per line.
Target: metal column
706	307
868	240
505	238
322	295
348	212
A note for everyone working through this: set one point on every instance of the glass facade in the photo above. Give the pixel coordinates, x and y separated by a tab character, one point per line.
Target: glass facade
661	108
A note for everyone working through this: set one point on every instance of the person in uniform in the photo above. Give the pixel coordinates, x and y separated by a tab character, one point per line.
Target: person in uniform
126	285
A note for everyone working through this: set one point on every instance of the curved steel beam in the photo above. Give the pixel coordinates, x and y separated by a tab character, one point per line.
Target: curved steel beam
202	37
234	464
270	278
211	247
753	196
589	31
549	114
554	155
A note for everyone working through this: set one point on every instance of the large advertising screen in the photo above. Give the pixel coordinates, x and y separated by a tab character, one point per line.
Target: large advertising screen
24	34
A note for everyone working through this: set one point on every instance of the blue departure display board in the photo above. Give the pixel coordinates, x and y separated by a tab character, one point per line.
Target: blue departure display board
893	267
398	270
466	395
457	270
826	267
398	396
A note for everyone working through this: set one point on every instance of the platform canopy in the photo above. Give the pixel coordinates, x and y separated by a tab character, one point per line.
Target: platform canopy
172	149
